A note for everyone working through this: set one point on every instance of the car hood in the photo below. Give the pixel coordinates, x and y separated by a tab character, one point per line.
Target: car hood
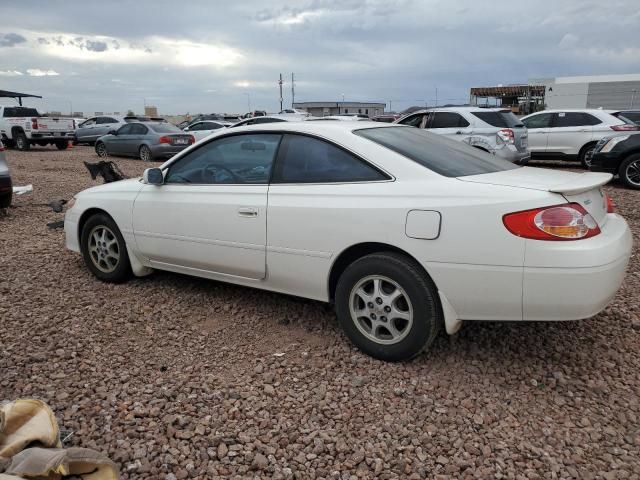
544	179
128	185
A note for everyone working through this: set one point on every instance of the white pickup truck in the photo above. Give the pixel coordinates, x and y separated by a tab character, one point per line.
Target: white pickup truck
21	127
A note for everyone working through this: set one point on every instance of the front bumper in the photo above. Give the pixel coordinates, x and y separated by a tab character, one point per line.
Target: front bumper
576	279
72	240
608	162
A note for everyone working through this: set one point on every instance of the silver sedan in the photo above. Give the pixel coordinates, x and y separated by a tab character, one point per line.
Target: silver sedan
145	140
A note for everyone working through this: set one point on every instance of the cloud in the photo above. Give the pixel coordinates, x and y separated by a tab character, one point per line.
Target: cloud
36	72
10	73
96	46
11	39
569	40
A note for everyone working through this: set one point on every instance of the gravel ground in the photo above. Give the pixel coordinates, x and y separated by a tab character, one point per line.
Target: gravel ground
176	377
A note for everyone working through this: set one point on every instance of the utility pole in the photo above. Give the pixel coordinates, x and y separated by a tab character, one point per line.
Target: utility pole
633	97
436	96
293	90
280	83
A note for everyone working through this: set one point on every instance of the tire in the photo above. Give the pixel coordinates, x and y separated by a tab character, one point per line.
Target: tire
629	171
585	155
62	145
417	301
144	153
22	142
101	150
104	249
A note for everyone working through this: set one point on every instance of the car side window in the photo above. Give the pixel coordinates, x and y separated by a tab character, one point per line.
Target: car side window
236	159
542	120
591	119
88	123
413	120
104	120
211	126
448	120
125	129
571	119
304	159
197	127
138	129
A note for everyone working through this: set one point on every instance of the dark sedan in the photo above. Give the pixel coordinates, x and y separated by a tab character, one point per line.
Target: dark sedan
6	188
144	140
620	155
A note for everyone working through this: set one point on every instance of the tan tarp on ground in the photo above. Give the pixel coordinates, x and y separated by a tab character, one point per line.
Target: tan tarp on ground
30	447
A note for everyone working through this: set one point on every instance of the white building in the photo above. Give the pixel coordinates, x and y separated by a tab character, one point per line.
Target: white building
616	92
322	109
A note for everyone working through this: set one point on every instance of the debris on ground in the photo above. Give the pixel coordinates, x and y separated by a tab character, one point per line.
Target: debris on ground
108	170
55	225
22	190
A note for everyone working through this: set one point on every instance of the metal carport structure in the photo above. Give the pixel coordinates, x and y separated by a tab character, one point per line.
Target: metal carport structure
17	95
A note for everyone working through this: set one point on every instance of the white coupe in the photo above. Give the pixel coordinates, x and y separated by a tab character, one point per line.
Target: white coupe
404	230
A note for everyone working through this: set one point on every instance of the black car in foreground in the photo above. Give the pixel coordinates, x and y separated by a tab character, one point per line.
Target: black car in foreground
6	188
620	155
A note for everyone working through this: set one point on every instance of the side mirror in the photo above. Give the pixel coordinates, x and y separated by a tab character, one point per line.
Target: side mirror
153	176
112	132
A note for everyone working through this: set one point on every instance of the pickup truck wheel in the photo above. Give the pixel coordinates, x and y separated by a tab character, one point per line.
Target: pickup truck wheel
62	145
104	249
22	142
630	171
388	307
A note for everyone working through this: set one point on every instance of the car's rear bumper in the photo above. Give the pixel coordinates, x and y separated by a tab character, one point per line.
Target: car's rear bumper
511	154
164	150
572	282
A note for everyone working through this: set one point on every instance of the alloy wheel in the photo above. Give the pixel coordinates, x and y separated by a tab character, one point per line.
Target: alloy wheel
381	309
101	149
104	249
632	173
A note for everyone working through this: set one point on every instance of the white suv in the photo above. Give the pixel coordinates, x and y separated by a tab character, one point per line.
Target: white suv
571	134
494	130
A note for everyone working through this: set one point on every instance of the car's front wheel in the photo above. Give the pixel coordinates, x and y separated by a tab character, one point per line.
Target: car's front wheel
586	155
104	250
388	306
101	150
63	145
630	171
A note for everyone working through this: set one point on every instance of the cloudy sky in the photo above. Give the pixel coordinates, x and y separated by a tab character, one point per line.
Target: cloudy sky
216	56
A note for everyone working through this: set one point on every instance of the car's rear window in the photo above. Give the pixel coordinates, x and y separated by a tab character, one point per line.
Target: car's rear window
450	158
164	128
20	112
502	119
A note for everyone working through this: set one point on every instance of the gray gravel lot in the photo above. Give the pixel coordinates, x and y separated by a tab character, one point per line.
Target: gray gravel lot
176	377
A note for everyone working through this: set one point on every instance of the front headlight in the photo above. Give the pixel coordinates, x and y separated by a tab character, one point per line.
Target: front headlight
613	142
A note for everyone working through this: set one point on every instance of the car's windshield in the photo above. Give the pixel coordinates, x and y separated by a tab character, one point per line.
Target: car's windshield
164	128
447	157
502	119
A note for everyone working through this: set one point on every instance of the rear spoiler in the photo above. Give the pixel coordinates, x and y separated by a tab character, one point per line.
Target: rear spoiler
582	183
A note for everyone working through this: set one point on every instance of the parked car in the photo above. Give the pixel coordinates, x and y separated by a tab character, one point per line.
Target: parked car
294	111
571	134
631	115
405	231
95	127
339	118
386	118
619	155
144	140
6	187
494	130
22	127
203	129
259	120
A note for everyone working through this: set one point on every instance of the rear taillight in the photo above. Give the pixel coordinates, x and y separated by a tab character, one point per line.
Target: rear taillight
34	124
561	222
192	139
506	135
165	140
625	128
611	208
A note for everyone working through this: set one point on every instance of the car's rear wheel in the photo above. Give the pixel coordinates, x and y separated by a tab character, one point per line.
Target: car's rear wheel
586	155
104	250
630	171
62	145
101	150
145	153
388	306
22	142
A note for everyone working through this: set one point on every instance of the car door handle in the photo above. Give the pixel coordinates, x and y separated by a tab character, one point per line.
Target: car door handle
248	212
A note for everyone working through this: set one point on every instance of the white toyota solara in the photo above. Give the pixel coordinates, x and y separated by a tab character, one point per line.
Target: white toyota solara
404	230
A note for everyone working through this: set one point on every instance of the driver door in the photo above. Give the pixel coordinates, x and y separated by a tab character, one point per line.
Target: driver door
210	215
